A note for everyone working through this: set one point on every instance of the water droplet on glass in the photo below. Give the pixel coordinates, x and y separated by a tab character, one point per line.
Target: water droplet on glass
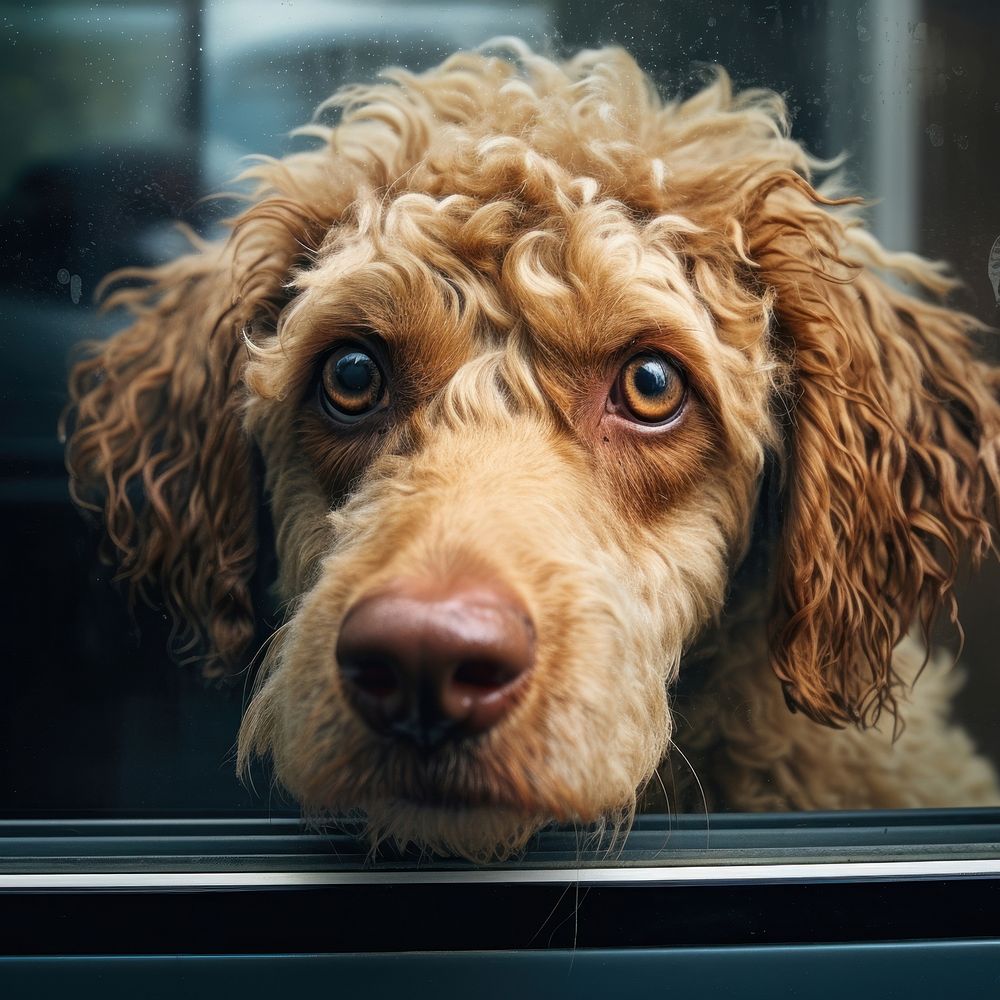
936	135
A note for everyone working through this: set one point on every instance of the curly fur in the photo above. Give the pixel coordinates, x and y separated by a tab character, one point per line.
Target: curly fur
514	229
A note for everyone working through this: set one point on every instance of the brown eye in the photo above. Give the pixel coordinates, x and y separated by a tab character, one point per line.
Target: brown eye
650	388
352	383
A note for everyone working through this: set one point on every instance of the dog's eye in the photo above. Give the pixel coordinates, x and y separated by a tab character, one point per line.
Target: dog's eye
650	388
352	383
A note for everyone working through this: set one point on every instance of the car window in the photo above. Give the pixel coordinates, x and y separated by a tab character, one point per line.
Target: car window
128	120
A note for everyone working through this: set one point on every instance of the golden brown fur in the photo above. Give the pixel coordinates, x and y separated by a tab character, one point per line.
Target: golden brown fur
513	230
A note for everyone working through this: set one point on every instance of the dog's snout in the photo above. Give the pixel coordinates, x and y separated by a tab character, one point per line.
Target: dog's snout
436	662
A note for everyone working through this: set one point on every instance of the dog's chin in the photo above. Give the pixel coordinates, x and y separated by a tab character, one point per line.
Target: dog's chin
444	806
425	799
477	833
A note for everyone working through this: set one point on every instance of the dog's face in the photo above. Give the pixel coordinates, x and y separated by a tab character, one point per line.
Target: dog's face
514	404
559	454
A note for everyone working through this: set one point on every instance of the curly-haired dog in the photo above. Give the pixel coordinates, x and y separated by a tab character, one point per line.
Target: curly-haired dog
518	343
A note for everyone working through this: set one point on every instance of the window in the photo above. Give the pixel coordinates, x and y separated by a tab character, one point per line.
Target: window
116	761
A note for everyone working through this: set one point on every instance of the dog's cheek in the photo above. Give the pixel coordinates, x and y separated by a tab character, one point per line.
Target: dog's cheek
599	722
679	567
319	743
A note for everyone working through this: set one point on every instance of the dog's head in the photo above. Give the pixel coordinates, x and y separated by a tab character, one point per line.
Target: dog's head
515	344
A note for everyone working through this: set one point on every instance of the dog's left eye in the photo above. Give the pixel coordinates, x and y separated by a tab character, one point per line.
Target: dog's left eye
650	389
352	383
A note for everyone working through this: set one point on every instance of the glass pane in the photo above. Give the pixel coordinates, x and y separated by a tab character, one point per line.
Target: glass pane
131	119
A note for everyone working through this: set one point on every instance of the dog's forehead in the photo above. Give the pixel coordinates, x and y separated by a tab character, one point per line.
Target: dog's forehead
579	283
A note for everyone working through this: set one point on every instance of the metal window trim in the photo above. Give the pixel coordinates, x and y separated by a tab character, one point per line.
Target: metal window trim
658	875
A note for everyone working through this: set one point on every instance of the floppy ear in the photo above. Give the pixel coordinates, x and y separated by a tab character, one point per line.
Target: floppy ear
891	460
157	440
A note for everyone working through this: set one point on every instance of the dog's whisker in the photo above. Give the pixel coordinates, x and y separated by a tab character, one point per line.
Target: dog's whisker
701	790
657	776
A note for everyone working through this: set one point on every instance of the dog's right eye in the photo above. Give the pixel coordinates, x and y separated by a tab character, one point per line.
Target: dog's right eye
352	383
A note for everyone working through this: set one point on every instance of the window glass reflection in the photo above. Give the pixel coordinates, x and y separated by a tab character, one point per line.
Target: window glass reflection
128	117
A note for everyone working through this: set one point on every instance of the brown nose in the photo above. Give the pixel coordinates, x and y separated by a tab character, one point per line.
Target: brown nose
436	662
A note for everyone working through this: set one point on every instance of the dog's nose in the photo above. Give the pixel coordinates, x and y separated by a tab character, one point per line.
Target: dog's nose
435	662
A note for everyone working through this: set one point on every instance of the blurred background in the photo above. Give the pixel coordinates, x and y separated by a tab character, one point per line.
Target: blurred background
119	118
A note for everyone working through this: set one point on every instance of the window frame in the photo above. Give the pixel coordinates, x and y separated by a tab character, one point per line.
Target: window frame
234	886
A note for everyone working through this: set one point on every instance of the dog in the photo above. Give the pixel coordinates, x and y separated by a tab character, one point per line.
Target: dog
591	427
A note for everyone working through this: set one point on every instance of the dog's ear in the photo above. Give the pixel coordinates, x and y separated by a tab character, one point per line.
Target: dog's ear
891	453
157	439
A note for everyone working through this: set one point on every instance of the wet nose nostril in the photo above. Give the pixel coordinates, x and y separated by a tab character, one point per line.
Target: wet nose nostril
375	676
484	675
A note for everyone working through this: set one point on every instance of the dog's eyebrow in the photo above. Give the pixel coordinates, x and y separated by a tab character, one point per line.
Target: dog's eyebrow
608	335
